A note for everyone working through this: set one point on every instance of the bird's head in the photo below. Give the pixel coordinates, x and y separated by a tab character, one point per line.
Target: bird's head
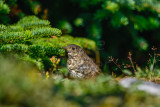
73	50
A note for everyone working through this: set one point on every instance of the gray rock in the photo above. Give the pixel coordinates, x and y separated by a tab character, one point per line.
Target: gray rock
149	87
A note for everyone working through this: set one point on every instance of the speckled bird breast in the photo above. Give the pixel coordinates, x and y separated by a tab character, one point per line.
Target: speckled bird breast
80	68
74	66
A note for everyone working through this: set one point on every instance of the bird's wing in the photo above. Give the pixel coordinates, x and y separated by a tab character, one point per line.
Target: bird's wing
91	67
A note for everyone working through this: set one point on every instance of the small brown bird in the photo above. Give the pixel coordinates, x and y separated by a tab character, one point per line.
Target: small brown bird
79	64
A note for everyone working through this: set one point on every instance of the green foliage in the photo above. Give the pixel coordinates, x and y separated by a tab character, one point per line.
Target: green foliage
4	7
2	27
17	39
147	74
4	11
36	41
122	13
66	26
29	89
14	28
13	10
32	22
17	48
22	31
28	59
45	32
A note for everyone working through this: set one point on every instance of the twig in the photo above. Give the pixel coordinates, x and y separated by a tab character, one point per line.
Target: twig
130	58
154	59
112	60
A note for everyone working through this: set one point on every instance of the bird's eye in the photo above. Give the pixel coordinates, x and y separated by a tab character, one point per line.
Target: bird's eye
73	48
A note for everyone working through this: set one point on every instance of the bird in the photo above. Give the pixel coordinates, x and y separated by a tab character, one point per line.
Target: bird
79	64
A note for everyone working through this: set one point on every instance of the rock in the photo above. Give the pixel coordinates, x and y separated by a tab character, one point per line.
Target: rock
149	87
